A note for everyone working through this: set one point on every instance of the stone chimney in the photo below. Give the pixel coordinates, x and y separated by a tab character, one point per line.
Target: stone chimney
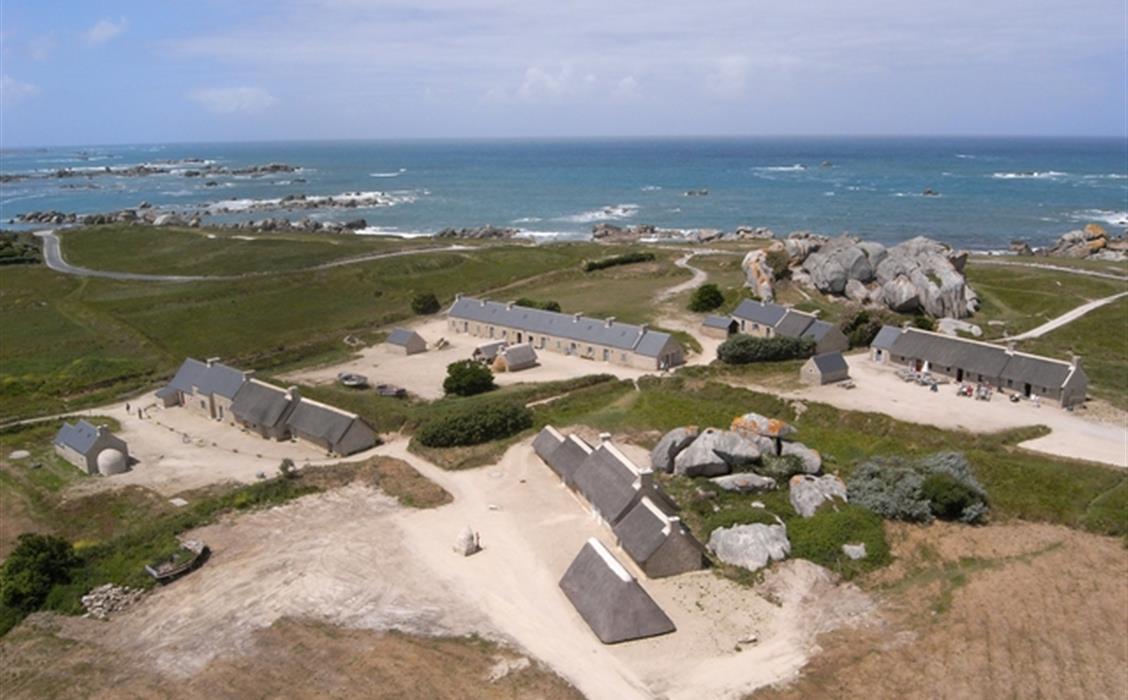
1075	362
293	394
609	322
247	374
211	361
605	437
458	296
1010	347
576	317
508	306
646	480
102	430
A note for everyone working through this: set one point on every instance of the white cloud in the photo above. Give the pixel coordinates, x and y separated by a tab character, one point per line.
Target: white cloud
541	84
105	30
233	100
729	78
626	90
13	91
40	47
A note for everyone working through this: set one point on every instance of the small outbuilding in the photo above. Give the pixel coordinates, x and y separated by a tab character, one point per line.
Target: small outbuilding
659	543
93	449
822	369
719	326
406	342
488	352
519	357
609	599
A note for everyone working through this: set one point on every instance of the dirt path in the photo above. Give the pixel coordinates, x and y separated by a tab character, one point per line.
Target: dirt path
698	279
1056	268
1067	317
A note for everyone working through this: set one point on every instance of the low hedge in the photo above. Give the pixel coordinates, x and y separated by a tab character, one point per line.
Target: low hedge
614	260
745	349
474	424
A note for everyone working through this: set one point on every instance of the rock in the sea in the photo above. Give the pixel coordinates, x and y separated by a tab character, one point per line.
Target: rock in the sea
479	232
716	452
745	482
1081	243
808	492
356	224
750	233
855	551
1020	247
811	459
750	546
671	444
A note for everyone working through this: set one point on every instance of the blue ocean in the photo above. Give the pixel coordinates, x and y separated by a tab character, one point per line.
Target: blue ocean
982	192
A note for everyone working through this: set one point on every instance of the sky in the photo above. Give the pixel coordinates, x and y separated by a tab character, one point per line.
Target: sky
144	71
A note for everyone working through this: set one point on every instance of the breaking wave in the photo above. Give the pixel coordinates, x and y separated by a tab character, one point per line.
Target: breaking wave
1029	175
614	212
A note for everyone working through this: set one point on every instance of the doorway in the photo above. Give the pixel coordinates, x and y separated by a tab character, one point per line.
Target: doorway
959	375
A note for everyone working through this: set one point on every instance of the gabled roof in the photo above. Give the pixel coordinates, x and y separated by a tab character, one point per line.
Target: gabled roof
547	441
830	362
817	330
214	378
764	313
79	437
609	599
568	458
519	355
1041	371
990	360
885	338
607	480
623	336
188	377
402	336
318	420
490	350
260	403
714	321
793	324
643	530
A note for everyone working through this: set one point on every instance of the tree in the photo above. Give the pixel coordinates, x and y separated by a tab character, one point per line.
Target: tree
706	298
780	262
467	377
861	328
36	564
426	303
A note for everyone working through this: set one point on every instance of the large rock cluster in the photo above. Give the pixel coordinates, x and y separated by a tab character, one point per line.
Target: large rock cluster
106	599
199	168
917	275
478	232
1092	241
750	546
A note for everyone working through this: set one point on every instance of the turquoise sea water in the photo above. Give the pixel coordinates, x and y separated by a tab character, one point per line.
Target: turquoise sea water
990	190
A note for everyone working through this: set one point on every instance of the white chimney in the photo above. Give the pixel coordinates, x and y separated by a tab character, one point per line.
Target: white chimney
1075	362
293	394
576	317
605	437
508	305
1010	347
610	321
211	361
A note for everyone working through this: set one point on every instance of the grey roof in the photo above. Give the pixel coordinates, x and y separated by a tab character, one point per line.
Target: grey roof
567	459
885	338
490	350
714	321
607	483
216	378
520	355
609	599
1041	371
623	336
320	421
830	362
402	336
546	443
765	313
817	330
166	391
80	436
641	531
793	324
260	403
992	361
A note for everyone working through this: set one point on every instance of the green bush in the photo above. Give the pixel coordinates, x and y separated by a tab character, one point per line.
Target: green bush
780	262
744	349
36	564
534	304
424	304
706	298
940	485
467	378
615	260
474	424
860	328
946	496
820	538
779	467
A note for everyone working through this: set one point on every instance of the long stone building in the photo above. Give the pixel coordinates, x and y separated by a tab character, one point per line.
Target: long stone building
767	320
605	340
974	361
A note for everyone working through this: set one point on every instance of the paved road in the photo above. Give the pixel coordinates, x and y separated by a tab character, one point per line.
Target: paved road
53	256
1067	317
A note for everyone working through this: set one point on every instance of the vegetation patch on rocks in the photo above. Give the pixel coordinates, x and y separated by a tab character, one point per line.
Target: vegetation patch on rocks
940	485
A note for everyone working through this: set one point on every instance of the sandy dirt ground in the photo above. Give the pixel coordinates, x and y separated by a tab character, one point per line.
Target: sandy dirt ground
880	390
423	374
177	450
353	558
1017	610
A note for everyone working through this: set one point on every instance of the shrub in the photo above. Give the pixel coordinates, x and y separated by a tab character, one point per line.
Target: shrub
940	485
475	424
860	328
615	260
424	304
780	262
745	349
534	304
706	298
287	469
467	377
820	538
36	564
923	322
780	467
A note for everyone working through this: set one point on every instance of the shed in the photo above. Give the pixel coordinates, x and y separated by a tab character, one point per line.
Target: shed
519	357
659	543
488	352
882	343
609	599
827	368
406	341
93	449
719	326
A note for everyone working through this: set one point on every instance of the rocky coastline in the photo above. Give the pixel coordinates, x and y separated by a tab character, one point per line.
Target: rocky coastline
187	167
1092	242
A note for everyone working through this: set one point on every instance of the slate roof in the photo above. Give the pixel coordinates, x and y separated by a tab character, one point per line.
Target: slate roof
320	421
714	321
216	378
607	482
490	350
567	459
1041	371
623	336
521	355
817	330
609	599
643	530
547	441
991	361
401	336
793	324
830	363
80	436
886	337
764	313
260	403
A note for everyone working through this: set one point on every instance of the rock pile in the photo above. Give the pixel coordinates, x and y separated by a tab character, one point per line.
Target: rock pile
199	168
750	546
478	232
807	492
1090	242
917	275
100	602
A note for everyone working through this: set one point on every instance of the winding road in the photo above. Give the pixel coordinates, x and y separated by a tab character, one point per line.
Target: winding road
698	279
53	257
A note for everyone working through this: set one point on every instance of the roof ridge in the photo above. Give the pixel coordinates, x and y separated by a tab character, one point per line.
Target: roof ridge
988	344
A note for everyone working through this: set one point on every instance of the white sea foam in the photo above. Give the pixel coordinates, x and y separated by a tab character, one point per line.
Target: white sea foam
966	156
527	220
1108	216
794	168
650	188
1030	175
614	212
394	173
1107	176
384	231
361	200
178	193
